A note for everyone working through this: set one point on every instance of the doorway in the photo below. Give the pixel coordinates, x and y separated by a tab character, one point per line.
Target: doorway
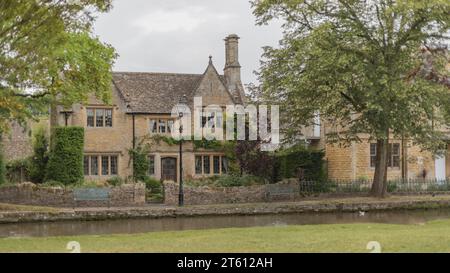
169	169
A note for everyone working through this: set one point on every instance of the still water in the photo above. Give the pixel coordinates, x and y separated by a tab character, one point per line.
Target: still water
130	226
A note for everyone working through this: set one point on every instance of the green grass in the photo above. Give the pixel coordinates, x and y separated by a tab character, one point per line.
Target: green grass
431	237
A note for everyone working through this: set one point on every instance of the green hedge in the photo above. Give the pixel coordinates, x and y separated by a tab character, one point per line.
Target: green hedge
2	165
311	161
38	162
66	155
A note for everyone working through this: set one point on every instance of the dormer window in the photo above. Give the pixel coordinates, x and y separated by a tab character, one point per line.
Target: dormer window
99	117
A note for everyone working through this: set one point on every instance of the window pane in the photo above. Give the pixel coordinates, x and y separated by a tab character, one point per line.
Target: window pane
396	161
94	165
105	165
396	149
162	126
90	117
169	126
153	126
151	165
108	118
198	165
206	165
114	169
211	120
86	165
216	161
224	165
99	115
373	149
372	161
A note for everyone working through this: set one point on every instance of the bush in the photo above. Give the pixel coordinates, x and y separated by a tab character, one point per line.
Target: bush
39	160
66	156
115	181
18	170
311	161
153	185
52	184
2	165
239	181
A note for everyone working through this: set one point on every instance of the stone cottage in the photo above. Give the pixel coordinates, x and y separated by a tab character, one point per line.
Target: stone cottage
357	160
142	104
141	107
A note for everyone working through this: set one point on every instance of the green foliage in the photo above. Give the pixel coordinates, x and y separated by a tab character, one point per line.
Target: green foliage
373	67
227	181
48	47
2	165
239	181
66	156
140	161
52	184
115	181
310	161
18	170
39	159
153	185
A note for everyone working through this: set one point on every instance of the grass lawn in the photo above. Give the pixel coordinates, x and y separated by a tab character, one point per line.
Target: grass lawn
431	237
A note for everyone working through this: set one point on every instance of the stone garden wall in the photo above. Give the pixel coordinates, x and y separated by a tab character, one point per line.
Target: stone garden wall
31	194
224	195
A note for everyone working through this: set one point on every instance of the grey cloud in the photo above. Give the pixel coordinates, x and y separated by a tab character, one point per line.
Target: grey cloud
179	35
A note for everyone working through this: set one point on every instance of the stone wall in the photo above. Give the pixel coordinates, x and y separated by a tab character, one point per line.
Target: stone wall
17	144
223	195
353	161
31	194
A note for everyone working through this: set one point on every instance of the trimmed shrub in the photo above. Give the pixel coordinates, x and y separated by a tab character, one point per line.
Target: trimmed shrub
310	161
66	156
2	165
39	160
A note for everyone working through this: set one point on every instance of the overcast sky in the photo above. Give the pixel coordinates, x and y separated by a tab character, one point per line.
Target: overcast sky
179	35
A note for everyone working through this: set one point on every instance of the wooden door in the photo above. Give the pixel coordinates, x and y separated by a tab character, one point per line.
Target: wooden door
169	169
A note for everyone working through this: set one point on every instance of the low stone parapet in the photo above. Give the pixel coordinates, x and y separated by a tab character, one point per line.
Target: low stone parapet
206	195
31	194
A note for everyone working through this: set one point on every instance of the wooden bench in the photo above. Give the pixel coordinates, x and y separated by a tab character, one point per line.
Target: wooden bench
280	190
92	194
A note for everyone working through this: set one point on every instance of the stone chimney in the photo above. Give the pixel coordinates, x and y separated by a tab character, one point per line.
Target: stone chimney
232	69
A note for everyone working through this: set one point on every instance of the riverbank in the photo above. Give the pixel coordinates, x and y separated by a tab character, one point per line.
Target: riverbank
19	214
429	237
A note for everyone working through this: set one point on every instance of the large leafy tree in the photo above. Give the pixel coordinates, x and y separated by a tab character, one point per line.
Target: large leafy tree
368	67
49	56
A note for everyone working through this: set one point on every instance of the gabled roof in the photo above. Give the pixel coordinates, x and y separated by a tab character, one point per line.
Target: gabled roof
158	93
155	92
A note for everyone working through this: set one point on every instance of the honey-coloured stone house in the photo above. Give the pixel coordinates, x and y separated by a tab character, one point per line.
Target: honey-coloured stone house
356	160
142	105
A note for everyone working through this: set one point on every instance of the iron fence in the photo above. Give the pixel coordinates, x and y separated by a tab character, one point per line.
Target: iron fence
364	186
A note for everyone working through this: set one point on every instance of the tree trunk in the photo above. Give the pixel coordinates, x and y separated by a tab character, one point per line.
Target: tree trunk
379	186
